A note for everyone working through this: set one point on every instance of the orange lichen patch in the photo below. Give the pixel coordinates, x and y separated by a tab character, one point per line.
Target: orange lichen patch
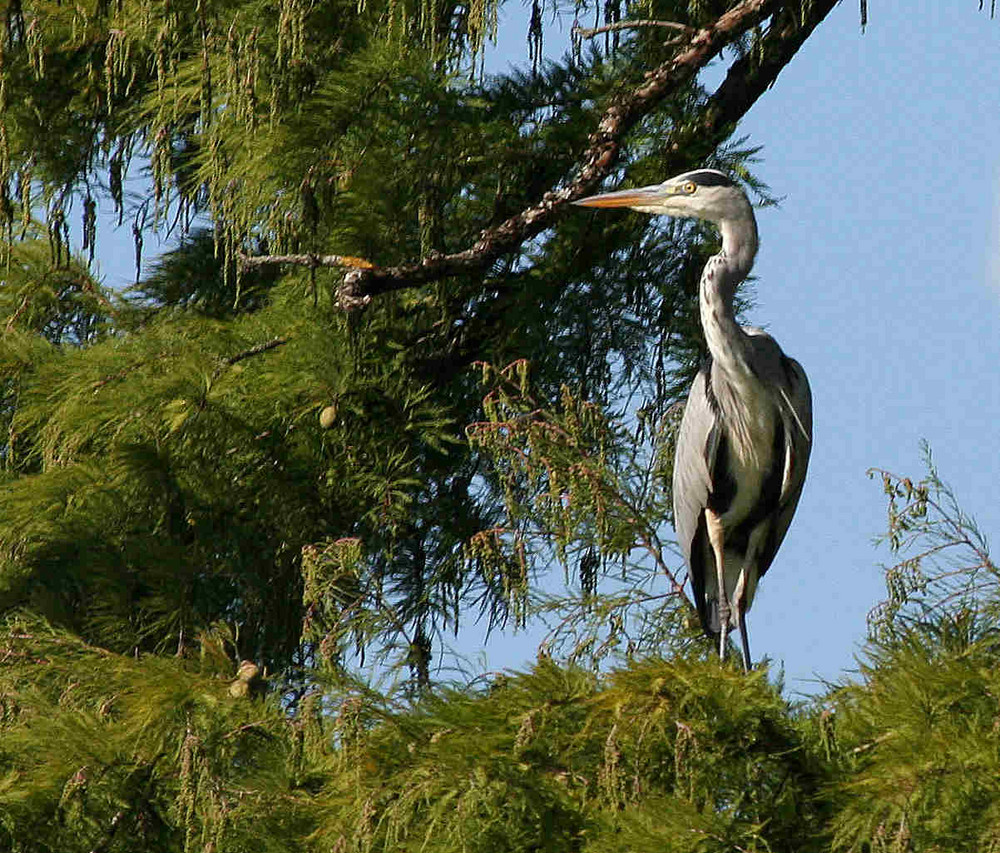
356	263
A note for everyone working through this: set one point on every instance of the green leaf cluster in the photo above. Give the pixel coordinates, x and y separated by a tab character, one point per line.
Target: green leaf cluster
153	753
920	744
192	452
114	752
223	474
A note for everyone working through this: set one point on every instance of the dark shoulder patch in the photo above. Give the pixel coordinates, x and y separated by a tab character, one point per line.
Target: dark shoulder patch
723	487
789	369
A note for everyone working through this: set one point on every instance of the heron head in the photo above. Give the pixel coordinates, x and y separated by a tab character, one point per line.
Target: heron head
701	194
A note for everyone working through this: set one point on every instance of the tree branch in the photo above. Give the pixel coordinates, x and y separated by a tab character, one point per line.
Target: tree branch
305	260
229	361
590	32
751	76
748	78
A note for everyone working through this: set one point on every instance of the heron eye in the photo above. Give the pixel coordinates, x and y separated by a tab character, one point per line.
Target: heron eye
690	187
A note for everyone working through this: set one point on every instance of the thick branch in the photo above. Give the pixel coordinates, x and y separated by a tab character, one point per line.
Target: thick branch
305	260
751	76
693	53
745	82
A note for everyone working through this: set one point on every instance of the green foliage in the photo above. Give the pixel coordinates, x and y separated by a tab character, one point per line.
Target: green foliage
112	752
580	488
133	753
229	507
945	565
103	750
177	474
919	736
683	755
167	466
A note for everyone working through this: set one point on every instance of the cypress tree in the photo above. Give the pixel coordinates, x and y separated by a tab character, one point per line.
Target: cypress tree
384	385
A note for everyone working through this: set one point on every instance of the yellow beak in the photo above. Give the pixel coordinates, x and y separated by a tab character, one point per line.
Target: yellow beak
649	199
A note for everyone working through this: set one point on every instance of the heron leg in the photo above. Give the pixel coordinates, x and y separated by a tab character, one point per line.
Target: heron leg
740	593
716	537
741	615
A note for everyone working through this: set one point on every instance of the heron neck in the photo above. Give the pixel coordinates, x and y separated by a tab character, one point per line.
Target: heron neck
719	280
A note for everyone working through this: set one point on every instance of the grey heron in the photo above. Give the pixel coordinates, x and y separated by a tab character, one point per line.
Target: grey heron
745	436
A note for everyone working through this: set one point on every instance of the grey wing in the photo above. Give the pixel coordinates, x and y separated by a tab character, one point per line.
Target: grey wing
694	462
795	404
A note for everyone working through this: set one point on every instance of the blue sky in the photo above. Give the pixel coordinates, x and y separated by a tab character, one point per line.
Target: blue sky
880	273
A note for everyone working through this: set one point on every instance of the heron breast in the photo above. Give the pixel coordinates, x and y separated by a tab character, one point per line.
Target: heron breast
751	436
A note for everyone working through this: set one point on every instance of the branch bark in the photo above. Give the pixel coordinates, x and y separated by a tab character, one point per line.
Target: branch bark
746	81
305	260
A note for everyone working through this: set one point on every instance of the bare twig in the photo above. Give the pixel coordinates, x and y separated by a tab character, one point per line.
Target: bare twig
246	727
590	32
121	374
882	738
12	320
274	343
